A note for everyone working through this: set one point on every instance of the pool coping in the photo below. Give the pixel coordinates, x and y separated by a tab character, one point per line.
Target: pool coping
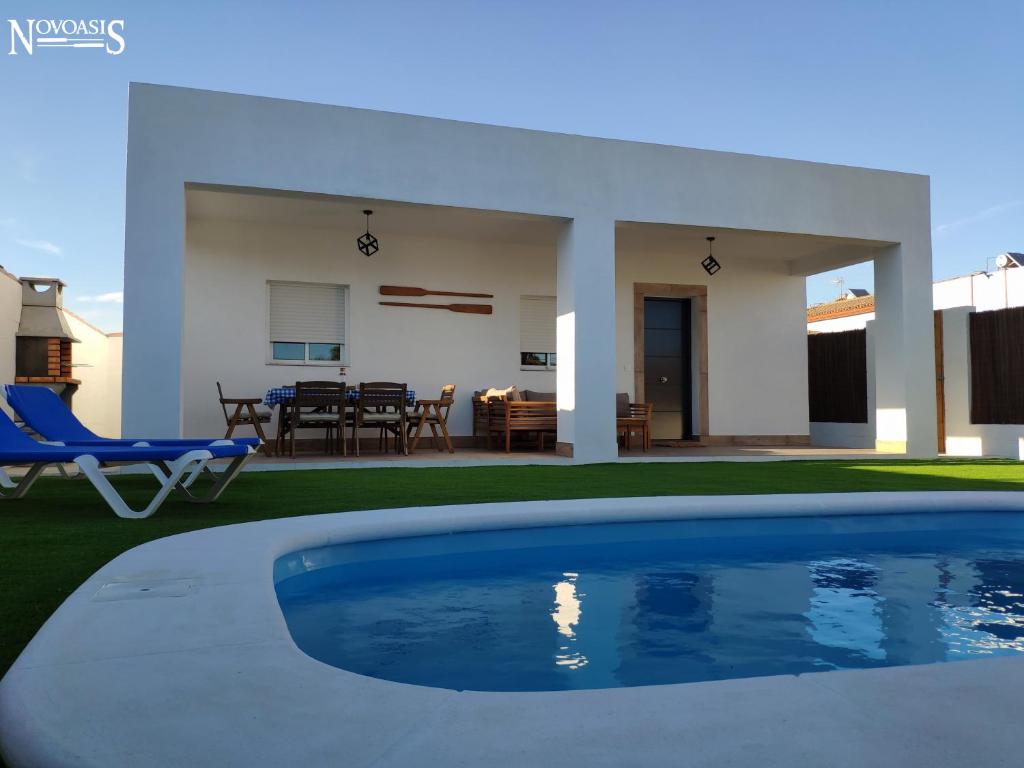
176	653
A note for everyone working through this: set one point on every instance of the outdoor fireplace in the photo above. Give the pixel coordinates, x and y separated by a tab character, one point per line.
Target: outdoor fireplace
43	345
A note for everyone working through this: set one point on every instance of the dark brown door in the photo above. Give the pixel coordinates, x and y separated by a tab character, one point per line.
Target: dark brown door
940	384
668	379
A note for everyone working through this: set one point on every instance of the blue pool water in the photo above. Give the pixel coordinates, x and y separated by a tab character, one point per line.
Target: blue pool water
667	602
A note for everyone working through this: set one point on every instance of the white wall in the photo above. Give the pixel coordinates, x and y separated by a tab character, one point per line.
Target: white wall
96	362
995	290
837	324
10	316
757	346
757	342
962	437
115	357
227	267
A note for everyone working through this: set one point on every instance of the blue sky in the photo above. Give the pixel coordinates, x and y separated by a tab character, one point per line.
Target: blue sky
927	86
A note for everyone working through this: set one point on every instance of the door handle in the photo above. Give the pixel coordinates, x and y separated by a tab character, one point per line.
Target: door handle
663	379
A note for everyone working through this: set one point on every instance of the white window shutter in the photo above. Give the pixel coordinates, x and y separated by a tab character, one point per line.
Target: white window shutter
537	324
307	312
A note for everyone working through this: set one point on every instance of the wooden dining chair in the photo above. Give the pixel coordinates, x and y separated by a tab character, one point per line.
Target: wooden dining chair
433	414
382	404
637	421
320	405
247	413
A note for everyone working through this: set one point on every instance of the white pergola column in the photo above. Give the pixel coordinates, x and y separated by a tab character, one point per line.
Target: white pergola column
154	245
586	340
904	351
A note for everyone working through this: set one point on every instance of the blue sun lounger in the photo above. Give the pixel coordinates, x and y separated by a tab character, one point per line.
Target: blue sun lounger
46	414
175	466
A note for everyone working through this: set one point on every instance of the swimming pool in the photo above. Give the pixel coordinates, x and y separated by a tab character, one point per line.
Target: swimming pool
178	650
637	604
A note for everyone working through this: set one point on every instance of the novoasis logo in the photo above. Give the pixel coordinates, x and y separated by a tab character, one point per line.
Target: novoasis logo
67	33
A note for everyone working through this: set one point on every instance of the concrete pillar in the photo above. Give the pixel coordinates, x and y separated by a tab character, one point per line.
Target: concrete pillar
154	245
904	351
153	275
586	340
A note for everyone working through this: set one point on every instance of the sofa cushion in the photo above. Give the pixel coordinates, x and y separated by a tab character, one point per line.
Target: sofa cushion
622	405
513	393
539	397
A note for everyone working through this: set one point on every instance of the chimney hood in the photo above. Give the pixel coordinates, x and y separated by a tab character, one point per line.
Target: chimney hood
42	309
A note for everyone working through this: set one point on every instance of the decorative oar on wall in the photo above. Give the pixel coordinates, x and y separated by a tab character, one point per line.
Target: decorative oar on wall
403	290
469	309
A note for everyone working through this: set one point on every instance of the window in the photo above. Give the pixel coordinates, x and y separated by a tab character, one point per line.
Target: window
537	332
307	323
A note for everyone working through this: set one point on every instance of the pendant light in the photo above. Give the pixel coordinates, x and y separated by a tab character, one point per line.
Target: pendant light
710	264
367	243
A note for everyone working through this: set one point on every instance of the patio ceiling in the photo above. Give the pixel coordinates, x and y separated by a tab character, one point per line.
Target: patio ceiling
805	254
389	218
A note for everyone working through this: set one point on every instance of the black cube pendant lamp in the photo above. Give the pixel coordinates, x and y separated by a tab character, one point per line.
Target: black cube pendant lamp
710	264
367	243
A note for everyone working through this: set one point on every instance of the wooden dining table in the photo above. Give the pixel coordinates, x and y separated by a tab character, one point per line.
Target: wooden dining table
285	397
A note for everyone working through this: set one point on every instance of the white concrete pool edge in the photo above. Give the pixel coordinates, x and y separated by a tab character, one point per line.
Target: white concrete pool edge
176	653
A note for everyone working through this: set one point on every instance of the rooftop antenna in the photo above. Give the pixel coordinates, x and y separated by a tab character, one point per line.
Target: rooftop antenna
841	283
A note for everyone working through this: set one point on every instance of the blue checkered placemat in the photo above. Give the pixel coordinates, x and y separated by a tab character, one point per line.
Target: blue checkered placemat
278	395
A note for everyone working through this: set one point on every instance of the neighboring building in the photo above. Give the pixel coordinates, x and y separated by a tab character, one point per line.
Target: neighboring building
845	313
241	266
955	299
44	344
999	289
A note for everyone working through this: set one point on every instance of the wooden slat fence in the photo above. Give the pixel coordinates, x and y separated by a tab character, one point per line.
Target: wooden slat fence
997	366
837	377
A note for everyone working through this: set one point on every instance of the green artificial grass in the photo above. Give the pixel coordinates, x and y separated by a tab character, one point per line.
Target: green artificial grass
62	532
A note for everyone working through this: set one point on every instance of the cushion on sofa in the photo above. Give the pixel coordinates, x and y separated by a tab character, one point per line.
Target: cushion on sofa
622	405
506	393
539	397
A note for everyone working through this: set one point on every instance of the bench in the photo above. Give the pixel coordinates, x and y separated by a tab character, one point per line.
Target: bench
507	416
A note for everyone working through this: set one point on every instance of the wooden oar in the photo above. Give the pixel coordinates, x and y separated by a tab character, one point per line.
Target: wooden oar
402	290
470	309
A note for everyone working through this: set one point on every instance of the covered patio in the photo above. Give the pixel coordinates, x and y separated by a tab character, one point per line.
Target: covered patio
590	249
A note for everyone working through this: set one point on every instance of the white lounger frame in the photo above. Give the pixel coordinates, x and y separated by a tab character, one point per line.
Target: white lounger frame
177	475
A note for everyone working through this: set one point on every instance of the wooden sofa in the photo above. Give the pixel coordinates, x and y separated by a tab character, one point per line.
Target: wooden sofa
504	417
496	415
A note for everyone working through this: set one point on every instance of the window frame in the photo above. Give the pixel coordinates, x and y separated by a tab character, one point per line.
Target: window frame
548	354
548	365
269	342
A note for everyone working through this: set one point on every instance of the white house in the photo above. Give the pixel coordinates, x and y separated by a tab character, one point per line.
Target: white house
954	300
242	215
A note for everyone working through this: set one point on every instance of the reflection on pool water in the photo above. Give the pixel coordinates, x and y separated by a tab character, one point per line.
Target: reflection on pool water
602	606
